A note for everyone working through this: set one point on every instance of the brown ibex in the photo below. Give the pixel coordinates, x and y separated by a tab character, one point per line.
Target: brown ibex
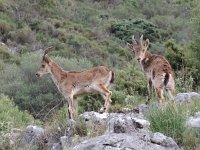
157	70
97	80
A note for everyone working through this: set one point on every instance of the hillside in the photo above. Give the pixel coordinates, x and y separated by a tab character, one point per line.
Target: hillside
87	33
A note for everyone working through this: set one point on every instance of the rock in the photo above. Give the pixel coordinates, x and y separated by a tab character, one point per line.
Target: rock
94	117
121	141
56	146
186	97
34	135
194	121
62	144
125	123
142	108
116	122
163	140
64	140
124	132
141	123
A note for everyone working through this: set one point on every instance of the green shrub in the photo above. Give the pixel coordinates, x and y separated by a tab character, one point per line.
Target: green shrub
23	36
12	117
2	5
6	56
131	80
175	55
6	24
124	30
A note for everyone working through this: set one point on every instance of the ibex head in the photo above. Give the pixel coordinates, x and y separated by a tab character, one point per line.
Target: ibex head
139	48
45	63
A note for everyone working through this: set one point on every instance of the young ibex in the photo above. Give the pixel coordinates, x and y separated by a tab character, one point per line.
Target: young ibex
156	68
97	80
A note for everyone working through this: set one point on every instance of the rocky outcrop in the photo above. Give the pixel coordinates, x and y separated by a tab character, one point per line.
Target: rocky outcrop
124	141
124	132
186	97
194	121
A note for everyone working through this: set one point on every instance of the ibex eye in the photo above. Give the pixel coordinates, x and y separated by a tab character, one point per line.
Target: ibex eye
43	66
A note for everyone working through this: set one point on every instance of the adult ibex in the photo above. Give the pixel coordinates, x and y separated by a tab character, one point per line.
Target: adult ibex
156	68
97	80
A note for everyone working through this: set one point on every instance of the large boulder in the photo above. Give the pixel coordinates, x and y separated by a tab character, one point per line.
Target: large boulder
186	97
122	141
194	121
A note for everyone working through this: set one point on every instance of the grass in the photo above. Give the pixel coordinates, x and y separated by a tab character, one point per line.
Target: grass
172	123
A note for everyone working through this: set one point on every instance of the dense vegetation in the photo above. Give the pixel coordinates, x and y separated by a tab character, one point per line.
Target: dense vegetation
88	33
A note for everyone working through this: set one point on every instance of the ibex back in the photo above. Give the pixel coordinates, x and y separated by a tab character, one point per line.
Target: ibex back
97	80
157	69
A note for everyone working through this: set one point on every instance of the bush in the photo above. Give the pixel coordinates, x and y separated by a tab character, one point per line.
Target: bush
6	24
11	116
131	81
6	56
124	30
175	55
23	36
2	5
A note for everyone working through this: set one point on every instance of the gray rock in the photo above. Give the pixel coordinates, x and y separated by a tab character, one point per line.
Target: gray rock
34	135
163	140
94	117
142	108
186	97
56	146
125	123
64	140
120	141
194	121
116	122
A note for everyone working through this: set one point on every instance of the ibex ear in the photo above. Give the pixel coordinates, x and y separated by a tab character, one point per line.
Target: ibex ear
130	46
146	44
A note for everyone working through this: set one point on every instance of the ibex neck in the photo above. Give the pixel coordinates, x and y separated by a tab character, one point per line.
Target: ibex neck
56	72
146	61
148	54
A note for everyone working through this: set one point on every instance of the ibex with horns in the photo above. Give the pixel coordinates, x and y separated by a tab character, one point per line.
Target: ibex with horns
97	80
157	70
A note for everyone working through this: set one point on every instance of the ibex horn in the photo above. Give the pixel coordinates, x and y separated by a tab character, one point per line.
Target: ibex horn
48	49
133	40
141	40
